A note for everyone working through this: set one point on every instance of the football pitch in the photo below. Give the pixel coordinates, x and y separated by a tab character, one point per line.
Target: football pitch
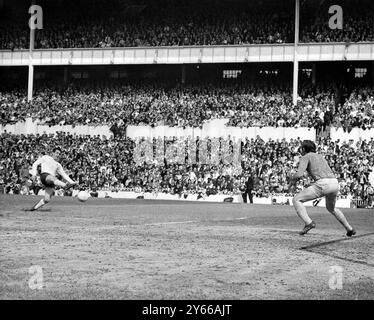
145	249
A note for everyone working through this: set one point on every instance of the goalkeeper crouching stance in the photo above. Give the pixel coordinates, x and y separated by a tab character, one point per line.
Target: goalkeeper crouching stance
325	185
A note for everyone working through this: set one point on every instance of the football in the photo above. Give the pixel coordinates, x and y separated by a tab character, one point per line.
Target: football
83	196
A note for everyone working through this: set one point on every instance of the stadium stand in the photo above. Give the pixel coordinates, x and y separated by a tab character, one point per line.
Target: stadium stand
244	105
110	164
181	23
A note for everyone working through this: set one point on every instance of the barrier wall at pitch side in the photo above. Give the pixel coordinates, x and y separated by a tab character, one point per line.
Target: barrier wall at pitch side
33	127
217	128
213	128
355	134
219	198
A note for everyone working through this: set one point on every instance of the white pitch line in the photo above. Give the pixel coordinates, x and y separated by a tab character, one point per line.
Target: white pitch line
173	222
123	205
190	221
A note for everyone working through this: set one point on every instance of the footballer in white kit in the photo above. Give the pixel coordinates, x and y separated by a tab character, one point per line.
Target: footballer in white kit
50	168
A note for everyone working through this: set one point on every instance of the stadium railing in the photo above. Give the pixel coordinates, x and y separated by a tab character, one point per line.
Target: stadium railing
337	51
359	203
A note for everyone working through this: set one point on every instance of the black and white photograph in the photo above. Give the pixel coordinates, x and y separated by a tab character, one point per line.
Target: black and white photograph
198	152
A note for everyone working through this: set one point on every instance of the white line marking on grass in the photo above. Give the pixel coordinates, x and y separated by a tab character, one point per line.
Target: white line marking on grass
117	205
173	222
191	221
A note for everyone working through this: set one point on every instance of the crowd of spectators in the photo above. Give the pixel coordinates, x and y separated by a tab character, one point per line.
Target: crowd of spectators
352	163
243	105
100	163
111	23
357	22
357	111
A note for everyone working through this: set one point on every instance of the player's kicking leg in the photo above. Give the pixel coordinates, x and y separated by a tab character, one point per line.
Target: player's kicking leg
338	214
54	181
49	182
47	198
304	196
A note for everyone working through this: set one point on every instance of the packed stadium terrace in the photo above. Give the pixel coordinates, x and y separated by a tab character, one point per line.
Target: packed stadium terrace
116	23
189	106
111	164
357	111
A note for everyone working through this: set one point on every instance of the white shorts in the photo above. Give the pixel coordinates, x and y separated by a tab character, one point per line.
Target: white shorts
328	187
